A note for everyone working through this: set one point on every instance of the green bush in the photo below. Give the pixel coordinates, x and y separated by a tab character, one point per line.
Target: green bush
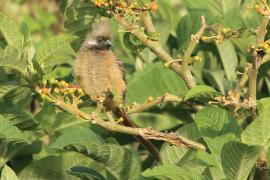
207	82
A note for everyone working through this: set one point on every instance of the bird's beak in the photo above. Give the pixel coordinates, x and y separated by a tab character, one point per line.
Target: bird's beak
108	43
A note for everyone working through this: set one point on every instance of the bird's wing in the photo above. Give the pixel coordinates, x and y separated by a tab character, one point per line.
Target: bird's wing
121	67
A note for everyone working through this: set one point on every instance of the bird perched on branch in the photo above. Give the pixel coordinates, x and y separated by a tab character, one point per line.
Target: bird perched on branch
102	76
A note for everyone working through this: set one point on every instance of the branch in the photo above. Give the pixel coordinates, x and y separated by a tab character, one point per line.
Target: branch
236	93
156	47
147	133
147	21
186	73
261	32
163	99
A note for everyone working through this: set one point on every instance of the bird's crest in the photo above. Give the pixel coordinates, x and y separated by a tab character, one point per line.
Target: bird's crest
100	29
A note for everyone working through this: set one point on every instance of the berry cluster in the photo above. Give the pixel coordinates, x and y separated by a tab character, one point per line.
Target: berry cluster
60	89
123	7
262	8
225	33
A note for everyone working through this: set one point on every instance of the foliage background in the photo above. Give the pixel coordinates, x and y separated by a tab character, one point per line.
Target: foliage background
50	144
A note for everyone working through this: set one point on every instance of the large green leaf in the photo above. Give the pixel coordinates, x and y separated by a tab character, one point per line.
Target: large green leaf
157	120
155	80
258	132
216	7
237	159
10	132
201	91
50	47
11	58
216	78
79	16
6	87
11	32
120	162
86	173
170	172
217	126
213	173
20	117
175	155
8	174
187	26
228	58
58	167
79	137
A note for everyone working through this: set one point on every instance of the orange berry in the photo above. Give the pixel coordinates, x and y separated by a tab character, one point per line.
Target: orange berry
154	6
45	90
98	4
120	4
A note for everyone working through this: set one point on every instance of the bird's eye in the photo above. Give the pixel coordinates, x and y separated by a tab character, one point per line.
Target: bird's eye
99	40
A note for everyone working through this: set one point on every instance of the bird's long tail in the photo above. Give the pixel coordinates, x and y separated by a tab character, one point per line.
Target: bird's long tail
146	143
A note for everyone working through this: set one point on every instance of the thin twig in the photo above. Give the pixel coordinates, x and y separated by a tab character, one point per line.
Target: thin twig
186	73
163	99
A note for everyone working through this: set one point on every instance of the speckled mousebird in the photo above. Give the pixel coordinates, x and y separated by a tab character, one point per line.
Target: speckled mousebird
102	76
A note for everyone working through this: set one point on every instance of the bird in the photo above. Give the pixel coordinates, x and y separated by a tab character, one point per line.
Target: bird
102	77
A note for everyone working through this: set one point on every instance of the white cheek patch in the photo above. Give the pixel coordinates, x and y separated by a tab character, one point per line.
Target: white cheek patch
92	42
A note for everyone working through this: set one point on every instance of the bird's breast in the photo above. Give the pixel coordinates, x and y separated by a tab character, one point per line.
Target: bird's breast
99	74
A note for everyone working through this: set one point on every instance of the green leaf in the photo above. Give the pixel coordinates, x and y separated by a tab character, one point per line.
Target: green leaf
217	127
79	16
10	132
11	32
79	137
48	48
155	80
19	117
131	43
154	36
187	26
11	58
120	162
237	159
200	91
216	78
157	120
8	174
169	172
6	87
217	8
258	132
228	58
86	173
175	155
213	173
56	167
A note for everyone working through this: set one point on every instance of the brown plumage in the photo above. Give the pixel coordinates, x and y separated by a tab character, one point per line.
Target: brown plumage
102	76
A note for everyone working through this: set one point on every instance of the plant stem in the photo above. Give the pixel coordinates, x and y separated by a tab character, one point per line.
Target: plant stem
257	61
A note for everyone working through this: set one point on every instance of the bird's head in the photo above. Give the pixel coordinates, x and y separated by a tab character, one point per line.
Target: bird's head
99	38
